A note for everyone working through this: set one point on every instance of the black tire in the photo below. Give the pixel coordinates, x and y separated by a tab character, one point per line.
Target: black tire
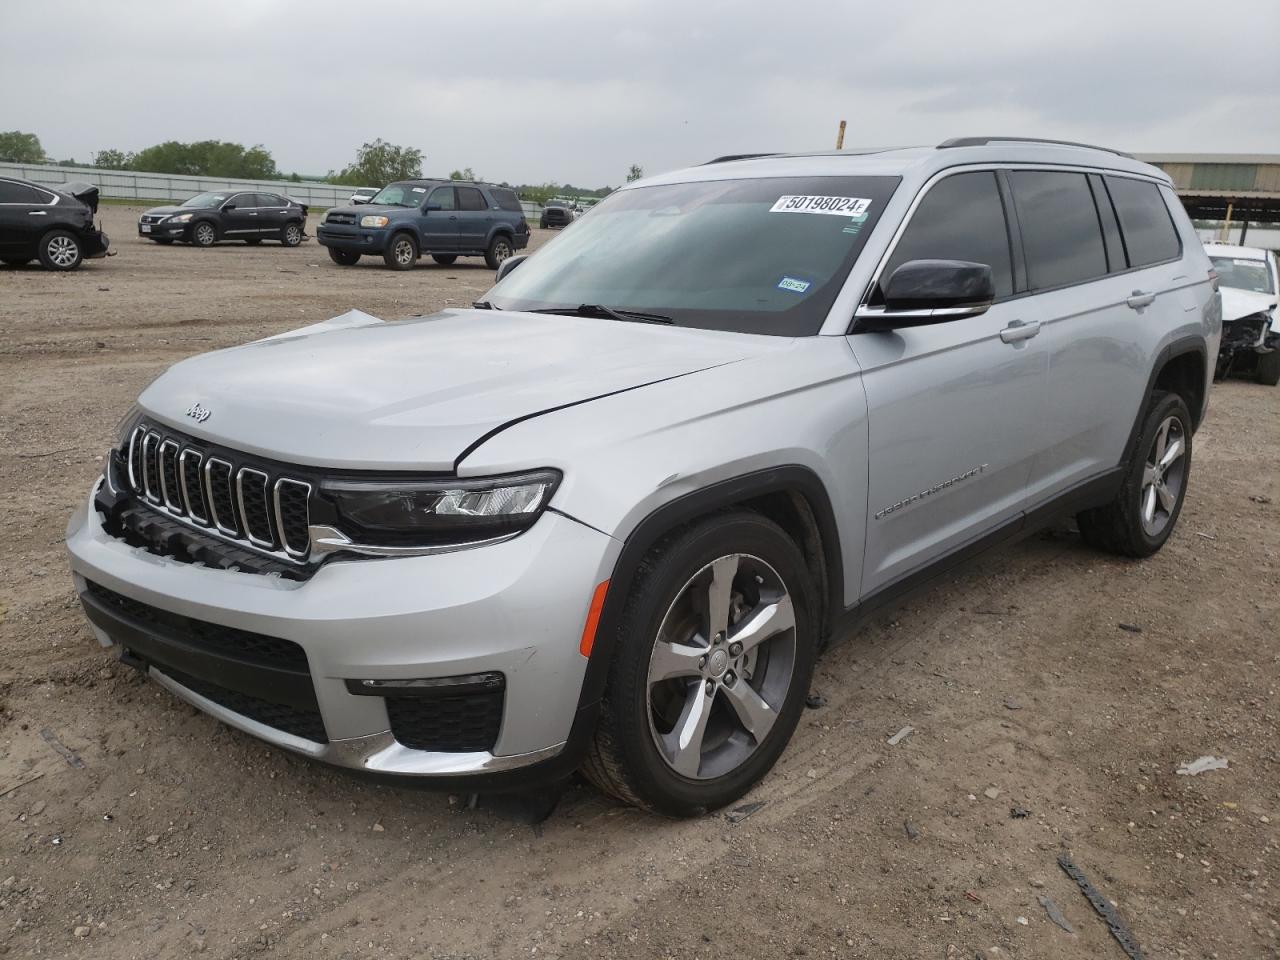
343	258
291	235
1268	372
163	241
60	250
253	241
1118	527
15	261
623	758
500	248
401	252
444	259
204	233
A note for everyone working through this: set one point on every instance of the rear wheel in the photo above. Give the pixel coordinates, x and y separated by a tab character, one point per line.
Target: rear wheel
204	234
1268	371
402	253
291	235
444	259
1142	516
711	666
60	250
499	250
343	258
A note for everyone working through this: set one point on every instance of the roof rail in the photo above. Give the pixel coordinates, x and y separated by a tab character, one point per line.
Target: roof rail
740	156
983	141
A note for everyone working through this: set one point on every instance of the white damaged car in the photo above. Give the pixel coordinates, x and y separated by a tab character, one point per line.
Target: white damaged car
1249	281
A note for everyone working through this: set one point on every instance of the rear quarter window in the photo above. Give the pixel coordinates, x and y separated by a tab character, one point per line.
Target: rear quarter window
1149	234
507	200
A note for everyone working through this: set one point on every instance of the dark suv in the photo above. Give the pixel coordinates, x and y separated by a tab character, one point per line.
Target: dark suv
439	217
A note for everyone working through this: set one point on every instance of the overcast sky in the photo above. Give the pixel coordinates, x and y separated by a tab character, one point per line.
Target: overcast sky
577	90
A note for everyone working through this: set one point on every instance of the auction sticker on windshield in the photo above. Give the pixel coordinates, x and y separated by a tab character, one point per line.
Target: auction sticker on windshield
835	206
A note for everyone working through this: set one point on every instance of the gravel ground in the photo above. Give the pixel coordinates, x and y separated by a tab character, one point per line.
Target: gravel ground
1052	692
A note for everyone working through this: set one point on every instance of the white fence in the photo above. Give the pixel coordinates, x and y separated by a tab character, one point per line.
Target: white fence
152	187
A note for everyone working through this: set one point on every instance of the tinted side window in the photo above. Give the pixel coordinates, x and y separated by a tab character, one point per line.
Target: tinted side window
1061	234
507	200
469	198
11	192
244	201
443	196
960	218
270	200
1149	234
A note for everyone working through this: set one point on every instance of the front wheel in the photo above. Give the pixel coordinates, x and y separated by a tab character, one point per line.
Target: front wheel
1268	372
291	235
60	250
712	662
499	250
1142	516
204	234
402	254
343	258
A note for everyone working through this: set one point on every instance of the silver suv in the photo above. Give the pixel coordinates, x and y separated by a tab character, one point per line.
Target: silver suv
606	519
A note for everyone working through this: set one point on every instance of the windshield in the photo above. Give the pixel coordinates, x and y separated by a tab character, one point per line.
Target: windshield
754	256
1242	274
401	195
206	200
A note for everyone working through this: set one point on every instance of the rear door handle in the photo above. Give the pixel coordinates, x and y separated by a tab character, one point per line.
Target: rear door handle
1139	299
1020	330
37	213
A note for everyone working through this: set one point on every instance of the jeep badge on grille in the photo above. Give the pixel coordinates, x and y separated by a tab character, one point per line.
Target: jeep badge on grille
198	413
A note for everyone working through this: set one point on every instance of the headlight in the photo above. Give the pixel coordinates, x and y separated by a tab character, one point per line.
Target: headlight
180	218
372	221
413	513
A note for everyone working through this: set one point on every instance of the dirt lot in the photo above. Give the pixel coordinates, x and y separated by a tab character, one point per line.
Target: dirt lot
177	835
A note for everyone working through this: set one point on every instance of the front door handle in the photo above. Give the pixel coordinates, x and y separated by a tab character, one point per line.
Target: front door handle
1020	330
1139	299
37	213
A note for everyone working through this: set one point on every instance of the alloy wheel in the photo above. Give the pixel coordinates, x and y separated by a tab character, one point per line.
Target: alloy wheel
292	235
721	667
501	250
403	251
1163	476
63	251
204	234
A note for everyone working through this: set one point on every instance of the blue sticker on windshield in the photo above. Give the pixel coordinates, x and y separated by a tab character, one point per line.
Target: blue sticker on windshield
794	284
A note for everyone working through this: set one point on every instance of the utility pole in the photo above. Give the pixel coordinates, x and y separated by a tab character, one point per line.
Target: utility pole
840	137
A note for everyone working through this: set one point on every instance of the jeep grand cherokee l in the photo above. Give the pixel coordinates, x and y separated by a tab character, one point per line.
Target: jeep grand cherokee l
446	219
607	517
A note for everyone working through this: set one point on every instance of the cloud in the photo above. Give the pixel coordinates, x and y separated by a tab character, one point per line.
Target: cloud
571	90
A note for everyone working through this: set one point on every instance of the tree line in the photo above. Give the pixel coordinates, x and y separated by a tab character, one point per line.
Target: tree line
376	163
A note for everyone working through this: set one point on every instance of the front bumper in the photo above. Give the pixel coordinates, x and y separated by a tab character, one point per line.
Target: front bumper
516	608
353	239
163	230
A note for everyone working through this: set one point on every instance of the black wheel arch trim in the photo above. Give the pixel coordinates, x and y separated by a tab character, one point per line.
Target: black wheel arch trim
788	479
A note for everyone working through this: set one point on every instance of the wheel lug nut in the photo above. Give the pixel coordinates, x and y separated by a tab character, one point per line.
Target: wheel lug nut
730	679
735	649
719	638
702	662
711	687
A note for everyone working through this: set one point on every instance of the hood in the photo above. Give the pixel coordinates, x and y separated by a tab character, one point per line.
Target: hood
165	211
1243	303
86	193
416	394
364	209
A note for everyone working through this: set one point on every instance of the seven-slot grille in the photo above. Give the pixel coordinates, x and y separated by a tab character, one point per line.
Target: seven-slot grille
245	503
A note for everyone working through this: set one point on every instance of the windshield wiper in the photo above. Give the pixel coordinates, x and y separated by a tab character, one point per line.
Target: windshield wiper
484	305
600	311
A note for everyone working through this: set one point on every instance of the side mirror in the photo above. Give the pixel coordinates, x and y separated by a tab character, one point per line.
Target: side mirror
922	292
228	206
358	200
432	206
508	265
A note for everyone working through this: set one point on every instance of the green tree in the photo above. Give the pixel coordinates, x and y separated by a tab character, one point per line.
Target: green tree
635	173
19	147
208	158
465	174
113	159
379	163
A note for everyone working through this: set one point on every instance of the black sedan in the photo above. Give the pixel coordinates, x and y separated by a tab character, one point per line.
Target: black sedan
226	215
54	224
